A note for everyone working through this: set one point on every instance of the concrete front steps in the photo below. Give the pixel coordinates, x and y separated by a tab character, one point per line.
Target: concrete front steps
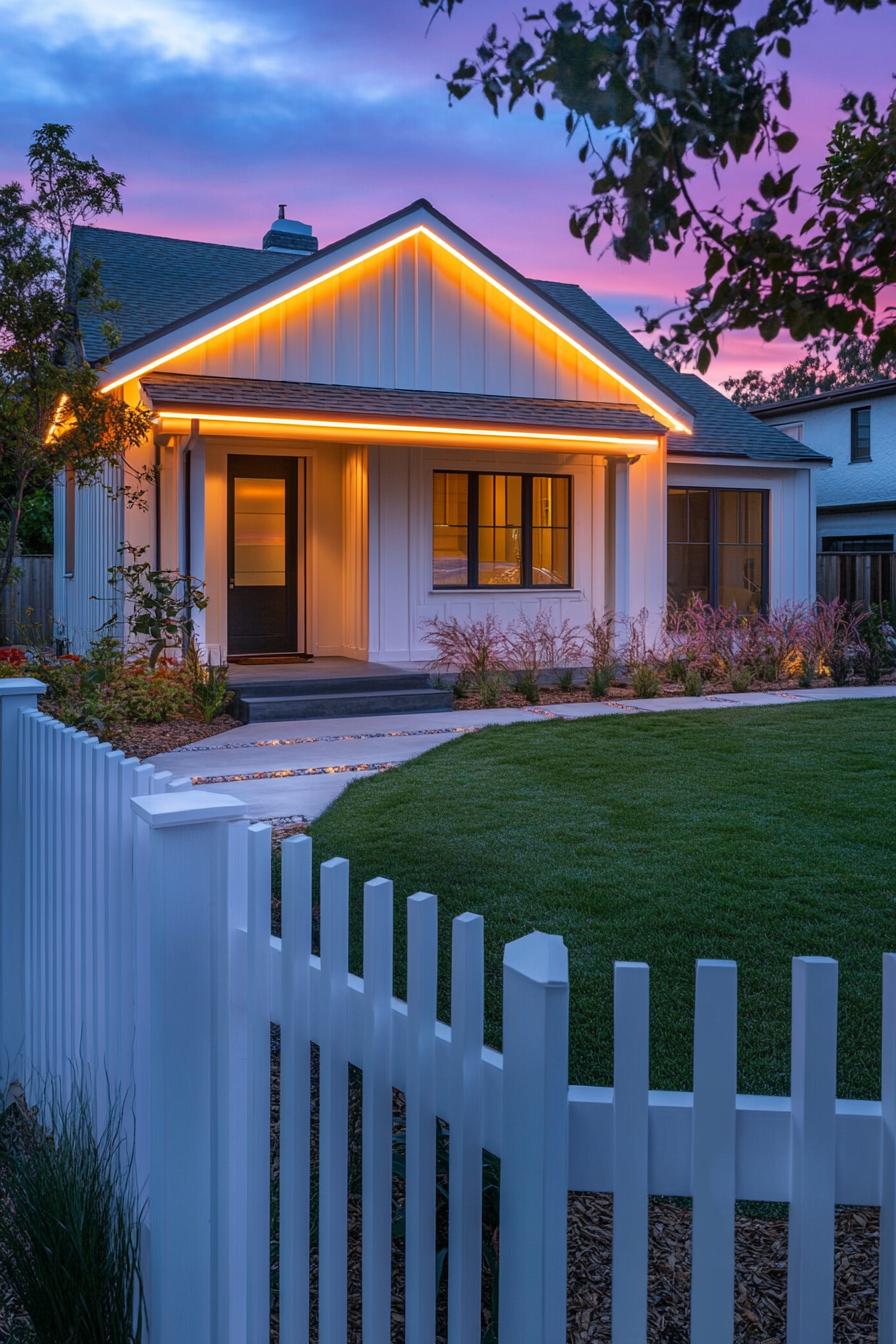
339	697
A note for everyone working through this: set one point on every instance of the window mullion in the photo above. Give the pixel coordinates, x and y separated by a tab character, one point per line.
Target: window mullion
473	529
714	556
526	538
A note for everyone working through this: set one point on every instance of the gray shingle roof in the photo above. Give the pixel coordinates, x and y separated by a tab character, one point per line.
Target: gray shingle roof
163	281
721	429
169	391
158	281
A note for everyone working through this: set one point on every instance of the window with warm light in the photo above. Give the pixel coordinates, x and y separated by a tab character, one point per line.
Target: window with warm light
259	532
718	547
501	530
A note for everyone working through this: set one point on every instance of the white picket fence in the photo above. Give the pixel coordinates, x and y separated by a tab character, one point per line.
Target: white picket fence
135	937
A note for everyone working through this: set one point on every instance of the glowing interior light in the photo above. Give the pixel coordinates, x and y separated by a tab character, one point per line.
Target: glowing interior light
396	241
642	445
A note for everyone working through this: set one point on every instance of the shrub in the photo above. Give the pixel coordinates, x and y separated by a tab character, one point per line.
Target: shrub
834	640
143	694
693	682
69	1246
159	603
741	678
599	652
599	681
524	645
878	652
562	647
476	651
641	658
646	681
208	683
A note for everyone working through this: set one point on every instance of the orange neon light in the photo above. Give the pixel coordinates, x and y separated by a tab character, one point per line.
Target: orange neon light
312	283
389	427
57	417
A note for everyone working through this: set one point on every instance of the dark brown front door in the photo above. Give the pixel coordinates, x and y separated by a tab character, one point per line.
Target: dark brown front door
262	551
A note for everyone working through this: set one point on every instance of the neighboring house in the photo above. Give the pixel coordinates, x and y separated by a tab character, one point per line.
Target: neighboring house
856	428
399	426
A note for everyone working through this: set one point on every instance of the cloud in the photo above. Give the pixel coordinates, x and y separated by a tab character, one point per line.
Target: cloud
183	32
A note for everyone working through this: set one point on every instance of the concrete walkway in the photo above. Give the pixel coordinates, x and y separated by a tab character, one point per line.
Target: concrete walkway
292	771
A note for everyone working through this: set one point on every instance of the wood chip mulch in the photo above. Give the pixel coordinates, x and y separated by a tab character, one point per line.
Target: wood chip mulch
760	1261
151	739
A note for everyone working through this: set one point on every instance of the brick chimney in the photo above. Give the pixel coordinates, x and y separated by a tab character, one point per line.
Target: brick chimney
289	235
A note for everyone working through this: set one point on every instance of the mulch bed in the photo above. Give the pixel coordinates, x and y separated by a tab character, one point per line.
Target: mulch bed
552	695
760	1261
150	739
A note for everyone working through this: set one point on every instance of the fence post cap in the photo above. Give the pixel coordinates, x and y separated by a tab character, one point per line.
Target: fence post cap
187	808
21	686
541	957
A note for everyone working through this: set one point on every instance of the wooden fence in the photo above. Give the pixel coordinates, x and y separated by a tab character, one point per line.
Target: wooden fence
865	579
137	937
26	612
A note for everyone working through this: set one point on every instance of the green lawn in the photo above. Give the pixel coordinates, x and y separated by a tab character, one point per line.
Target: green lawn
754	834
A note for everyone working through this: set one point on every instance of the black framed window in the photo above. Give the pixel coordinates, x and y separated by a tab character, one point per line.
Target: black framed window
718	547
501	530
860	434
883	541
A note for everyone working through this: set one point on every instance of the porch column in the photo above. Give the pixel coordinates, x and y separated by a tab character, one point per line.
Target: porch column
621	535
195	525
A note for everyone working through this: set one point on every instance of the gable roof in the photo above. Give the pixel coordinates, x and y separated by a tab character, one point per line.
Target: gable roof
165	285
880	387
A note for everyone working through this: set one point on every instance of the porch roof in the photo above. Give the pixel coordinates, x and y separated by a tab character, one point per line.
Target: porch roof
188	394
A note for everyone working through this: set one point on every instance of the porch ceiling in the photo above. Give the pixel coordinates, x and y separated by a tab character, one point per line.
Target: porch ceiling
335	407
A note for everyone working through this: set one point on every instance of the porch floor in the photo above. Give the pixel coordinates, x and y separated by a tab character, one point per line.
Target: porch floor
318	669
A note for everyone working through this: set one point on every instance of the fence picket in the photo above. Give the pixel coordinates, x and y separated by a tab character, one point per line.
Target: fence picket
887	1303
214	983
813	1084
465	1141
713	1153
376	1156
258	1004
631	1045
295	1090
420	1122
333	1123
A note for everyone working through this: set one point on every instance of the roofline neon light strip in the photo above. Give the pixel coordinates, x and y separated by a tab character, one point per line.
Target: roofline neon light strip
389	427
330	274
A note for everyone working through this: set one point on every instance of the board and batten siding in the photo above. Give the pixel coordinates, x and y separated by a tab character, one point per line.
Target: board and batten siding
413	317
83	600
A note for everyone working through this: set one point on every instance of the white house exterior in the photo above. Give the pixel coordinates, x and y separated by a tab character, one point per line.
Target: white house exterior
353	439
856	428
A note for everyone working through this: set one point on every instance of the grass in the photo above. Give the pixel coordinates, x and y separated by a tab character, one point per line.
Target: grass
754	834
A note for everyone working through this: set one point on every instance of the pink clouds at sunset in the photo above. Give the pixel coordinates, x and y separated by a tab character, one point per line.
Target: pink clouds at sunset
217	112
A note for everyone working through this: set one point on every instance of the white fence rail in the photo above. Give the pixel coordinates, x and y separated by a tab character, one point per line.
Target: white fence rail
185	890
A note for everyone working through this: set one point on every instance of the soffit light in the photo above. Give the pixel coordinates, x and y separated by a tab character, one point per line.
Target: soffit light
390	427
339	269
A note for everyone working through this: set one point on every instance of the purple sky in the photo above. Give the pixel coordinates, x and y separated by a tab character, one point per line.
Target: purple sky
218	109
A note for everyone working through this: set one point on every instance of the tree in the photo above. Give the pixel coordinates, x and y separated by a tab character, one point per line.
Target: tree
53	416
817	371
667	96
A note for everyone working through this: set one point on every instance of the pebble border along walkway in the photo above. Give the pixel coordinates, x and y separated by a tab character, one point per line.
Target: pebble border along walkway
291	777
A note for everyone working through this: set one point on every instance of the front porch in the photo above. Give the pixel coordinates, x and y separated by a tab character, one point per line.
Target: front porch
337	537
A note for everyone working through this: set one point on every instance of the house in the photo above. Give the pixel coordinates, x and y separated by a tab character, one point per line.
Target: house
856	428
353	438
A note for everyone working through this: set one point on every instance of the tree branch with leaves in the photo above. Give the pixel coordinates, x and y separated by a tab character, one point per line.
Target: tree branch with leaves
53	416
665	97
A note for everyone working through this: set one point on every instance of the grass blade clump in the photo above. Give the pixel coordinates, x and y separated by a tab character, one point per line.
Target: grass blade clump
69	1239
